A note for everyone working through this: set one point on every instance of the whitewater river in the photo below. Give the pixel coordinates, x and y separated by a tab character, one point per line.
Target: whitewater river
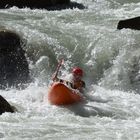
110	59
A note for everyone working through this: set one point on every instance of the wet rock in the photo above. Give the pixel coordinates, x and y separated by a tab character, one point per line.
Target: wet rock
41	4
5	106
70	5
32	3
14	69
133	23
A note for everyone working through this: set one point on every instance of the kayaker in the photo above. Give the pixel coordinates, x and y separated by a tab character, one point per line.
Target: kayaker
75	81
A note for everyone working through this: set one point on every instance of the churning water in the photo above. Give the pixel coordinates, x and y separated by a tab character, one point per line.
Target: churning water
87	38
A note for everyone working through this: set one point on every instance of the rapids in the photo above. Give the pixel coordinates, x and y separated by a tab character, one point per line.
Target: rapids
87	38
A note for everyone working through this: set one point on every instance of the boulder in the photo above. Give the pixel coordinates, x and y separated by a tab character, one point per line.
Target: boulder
32	3
5	106
132	23
14	69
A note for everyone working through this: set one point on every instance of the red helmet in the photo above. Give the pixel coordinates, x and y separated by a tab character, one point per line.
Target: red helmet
77	71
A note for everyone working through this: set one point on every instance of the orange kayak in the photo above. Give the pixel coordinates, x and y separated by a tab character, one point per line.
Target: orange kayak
59	94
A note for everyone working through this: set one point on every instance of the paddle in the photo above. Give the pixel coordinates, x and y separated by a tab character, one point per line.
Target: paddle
54	76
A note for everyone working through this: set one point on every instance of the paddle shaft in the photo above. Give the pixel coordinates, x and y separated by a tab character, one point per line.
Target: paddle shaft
57	69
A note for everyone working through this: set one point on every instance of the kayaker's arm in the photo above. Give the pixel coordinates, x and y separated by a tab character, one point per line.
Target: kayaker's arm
54	77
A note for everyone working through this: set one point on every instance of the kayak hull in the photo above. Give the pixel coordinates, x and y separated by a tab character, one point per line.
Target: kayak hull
59	94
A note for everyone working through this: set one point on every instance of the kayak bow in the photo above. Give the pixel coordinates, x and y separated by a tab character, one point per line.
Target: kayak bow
60	94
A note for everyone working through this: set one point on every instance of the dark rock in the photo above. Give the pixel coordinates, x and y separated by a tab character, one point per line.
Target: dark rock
32	3
133	23
5	106
13	64
70	5
41	4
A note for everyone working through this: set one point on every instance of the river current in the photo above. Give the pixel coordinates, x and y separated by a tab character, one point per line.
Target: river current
109	57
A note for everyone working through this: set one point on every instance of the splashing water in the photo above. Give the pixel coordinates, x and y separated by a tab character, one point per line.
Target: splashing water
87	38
